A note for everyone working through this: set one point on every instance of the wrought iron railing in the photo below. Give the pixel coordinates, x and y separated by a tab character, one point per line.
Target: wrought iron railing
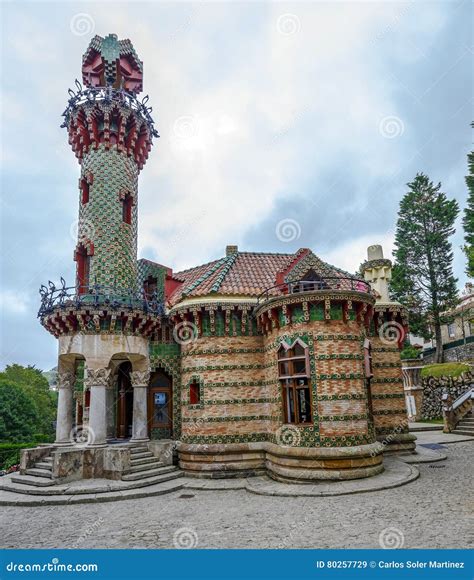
97	296
109	95
329	283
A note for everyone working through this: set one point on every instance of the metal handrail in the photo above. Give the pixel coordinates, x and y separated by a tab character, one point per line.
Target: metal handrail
335	283
110	95
469	394
95	296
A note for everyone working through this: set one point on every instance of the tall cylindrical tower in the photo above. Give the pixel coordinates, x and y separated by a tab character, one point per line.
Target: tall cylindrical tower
111	133
104	319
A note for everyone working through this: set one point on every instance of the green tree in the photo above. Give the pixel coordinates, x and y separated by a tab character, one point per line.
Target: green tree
36	387
468	218
18	413
422	276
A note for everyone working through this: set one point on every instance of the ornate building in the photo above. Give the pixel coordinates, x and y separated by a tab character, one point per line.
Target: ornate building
253	363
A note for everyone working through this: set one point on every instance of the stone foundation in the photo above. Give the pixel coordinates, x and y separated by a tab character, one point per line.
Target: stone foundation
292	464
73	463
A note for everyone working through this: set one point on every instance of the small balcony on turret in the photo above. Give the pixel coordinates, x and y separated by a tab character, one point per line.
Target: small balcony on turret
96	309
346	297
317	284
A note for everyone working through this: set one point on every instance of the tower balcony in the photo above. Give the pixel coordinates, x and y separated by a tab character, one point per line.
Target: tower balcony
110	116
352	298
96	309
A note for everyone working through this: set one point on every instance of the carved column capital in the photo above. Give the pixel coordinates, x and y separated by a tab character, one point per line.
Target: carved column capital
140	378
66	380
97	377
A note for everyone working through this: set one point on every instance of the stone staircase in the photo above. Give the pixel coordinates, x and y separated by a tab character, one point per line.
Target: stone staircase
147	469
465	425
41	475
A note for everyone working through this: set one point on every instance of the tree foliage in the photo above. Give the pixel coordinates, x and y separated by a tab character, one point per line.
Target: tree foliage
18	415
27	406
422	276
468	218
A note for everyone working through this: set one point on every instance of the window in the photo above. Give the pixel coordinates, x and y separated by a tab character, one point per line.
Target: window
83	269
293	371
84	190
150	286
368	359
310	283
194	393
160	401
451	330
127	203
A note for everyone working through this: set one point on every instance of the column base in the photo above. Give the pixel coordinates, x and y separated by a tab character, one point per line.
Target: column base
144	440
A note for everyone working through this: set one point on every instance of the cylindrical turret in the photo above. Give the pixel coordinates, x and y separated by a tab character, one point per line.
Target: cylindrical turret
111	133
378	272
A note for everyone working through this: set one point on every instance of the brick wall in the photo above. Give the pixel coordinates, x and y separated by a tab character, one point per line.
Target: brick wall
339	395
236	405
388	397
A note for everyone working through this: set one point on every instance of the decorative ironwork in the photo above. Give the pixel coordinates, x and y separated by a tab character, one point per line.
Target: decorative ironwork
331	283
96	296
108	95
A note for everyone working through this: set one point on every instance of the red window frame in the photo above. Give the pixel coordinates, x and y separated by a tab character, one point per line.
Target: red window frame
127	204
194	393
84	190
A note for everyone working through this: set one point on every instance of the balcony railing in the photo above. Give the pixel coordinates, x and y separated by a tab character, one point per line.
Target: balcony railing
109	95
329	283
55	298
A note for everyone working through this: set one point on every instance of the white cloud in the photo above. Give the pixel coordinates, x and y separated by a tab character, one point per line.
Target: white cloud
13	302
350	255
314	94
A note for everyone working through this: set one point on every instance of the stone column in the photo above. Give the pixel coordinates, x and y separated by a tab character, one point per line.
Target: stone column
98	381
111	406
140	380
66	382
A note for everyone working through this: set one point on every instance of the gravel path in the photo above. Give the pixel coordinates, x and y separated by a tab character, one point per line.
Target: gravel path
435	511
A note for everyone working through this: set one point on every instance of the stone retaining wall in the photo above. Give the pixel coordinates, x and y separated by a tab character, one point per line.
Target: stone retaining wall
435	387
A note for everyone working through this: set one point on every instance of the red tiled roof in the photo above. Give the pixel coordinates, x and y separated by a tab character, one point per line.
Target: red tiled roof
244	273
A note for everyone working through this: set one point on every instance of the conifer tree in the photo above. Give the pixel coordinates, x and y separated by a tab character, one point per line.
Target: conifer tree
422	277
468	218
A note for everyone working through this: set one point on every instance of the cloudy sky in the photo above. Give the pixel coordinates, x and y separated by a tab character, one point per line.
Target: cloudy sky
283	125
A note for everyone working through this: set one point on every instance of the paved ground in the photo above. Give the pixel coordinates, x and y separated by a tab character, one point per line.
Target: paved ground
420	426
423	437
435	511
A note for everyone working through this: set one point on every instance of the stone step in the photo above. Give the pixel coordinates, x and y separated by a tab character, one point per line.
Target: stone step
35	480
150	473
48	459
166	475
135	457
147	467
143	460
467	421
138	449
39	472
44	465
469	432
118	490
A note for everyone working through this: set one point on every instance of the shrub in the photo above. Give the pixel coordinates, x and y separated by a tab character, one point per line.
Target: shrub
451	369
409	351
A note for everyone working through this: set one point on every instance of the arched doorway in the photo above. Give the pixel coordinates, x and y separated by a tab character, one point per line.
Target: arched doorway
160	405
124	401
